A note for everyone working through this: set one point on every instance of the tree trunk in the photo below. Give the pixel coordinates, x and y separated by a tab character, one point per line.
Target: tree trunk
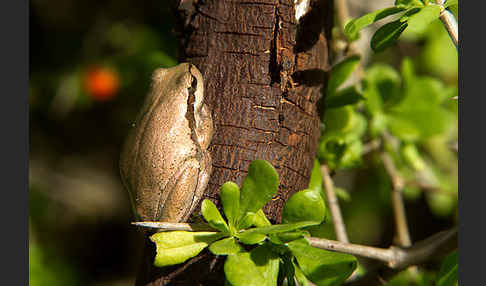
264	71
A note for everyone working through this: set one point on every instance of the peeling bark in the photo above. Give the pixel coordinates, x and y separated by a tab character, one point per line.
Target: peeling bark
264	72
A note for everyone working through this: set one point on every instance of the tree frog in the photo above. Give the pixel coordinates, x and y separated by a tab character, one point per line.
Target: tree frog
165	163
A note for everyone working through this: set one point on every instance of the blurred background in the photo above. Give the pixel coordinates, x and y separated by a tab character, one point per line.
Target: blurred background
90	66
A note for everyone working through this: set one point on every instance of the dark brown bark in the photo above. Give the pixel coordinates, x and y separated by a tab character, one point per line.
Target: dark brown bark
264	73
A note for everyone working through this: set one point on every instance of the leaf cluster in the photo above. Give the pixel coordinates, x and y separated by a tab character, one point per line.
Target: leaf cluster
413	15
259	253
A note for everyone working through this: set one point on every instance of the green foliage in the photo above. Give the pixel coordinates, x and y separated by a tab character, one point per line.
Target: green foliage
386	35
420	20
340	145
213	217
354	26
416	18
230	199
272	254
257	267
450	3
259	186
315	182
340	73
323	268
404	278
225	246
304	205
412	113
448	273
176	247
408	3
45	270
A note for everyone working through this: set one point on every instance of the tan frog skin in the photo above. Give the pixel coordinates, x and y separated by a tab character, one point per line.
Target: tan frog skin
165	164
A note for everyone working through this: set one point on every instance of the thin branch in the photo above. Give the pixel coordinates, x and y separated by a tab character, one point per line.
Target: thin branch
337	218
172	226
397	201
395	257
342	10
371	146
450	23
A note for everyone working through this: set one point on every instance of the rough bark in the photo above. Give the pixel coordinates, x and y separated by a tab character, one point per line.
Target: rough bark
264	72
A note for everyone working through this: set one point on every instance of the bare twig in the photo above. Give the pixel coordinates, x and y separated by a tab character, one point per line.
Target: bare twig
337	218
371	146
397	201
172	226
395	257
450	23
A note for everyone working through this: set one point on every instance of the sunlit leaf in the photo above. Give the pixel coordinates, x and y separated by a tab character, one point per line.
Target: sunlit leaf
260	220
258	187
449	3
256	268
409	3
225	246
315	182
353	27
176	247
322	267
213	216
230	199
418	22
305	205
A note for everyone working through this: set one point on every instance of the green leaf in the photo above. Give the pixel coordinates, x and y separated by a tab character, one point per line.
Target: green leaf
315	182
225	246
409	3
255	235
342	194
260	219
378	124
351	155
299	275
213	217
258	187
448	274
176	247
386	35
256	268
305	205
247	221
347	96
285	237
340	73
322	267
407	71
338	120
419	124
381	87
230	199
418	22
251	237
339	145
450	3
412	156
353	27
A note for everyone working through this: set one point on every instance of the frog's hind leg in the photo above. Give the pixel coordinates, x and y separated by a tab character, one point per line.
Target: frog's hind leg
176	200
